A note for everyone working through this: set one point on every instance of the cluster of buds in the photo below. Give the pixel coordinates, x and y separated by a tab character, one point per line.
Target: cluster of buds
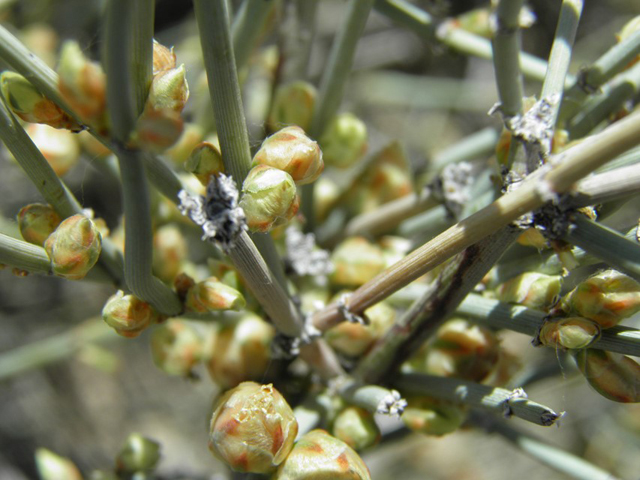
176	347
531	289
36	222
432	417
128	315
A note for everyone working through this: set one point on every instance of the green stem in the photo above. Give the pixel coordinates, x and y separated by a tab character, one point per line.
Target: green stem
477	145
497	315
24	256
373	398
299	40
497	400
559	176
608	186
606	244
248	25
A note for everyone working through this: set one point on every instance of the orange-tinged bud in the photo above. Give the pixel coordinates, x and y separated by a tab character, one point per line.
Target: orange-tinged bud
54	467
240	351
211	295
532	289
163	58
293	105
612	375
432	417
268	198
138	454
157	130
356	261
344	141
176	347
36	222
169	251
31	105
319	456
169	90
572	333
59	147
606	298
252	428
205	161
74	247
128	315
356	427
291	150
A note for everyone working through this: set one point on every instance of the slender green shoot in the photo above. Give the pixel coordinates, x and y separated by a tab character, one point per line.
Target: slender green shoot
248	25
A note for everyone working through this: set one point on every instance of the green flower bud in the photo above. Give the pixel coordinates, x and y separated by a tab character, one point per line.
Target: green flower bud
36	222
240	351
59	147
268	198
169	251
74	247
252	428
128	315
211	295
83	85
319	456
612	375
176	348
531	289
606	298
163	58
432	417
31	105
292	151
54	467
344	141
356	261
572	333
293	105
356	427
169	90
138	454
205	160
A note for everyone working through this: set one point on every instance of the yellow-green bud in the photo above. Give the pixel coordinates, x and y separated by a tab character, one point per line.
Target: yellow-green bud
205	161
138	454
163	58
532	237
268	198
532	289
293	105
191	136
356	427
211	295
59	147
319	456
169	90
74	247
432	417
128	315
36	222
606	298
291	150
344	141
572	333
252	428
176	347
612	375
356	261
169	251
325	195
83	85
54	467
31	105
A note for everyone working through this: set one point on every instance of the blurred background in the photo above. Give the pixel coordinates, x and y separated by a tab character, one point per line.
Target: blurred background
404	87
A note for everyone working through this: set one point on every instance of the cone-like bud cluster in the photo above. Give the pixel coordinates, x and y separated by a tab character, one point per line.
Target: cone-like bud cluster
356	427
432	417
176	347
74	247
83	85
205	160
31	105
268	198
356	261
292	151
252	428
606	298
36	222
319	456
531	289
573	333
344	141
169	251
293	105
612	375
240	351
212	295
128	315
60	148
54	467
138	454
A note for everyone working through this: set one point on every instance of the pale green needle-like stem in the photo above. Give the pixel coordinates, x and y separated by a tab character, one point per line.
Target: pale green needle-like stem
247	28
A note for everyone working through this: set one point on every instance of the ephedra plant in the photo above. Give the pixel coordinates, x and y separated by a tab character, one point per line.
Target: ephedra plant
271	240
